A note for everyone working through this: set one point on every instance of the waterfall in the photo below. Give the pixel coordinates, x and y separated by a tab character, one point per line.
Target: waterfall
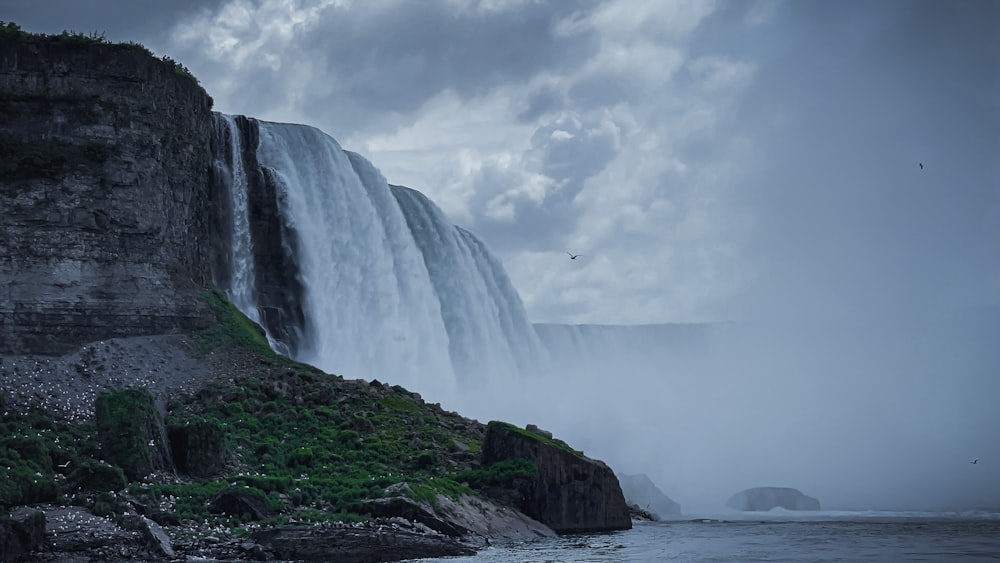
370	308
366	279
240	287
490	337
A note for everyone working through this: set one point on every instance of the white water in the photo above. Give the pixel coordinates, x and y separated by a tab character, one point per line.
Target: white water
491	341
241	288
370	308
392	290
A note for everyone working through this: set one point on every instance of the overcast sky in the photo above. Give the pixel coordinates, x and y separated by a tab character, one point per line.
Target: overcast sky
709	160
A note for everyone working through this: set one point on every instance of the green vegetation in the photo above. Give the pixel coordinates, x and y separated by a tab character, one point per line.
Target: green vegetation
127	420
555	443
500	473
34	450
309	446
233	329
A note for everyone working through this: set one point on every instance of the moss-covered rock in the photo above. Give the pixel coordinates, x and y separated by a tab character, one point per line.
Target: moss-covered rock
93	475
198	447
131	432
570	493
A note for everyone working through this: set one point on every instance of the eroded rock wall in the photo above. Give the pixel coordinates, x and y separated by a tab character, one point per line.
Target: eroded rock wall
104	158
572	493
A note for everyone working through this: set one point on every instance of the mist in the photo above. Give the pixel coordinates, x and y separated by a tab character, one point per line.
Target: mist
862	363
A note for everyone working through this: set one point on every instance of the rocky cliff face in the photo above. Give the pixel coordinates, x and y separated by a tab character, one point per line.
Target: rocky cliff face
104	158
571	493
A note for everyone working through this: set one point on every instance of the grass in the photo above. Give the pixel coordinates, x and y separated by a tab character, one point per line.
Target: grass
234	329
537	437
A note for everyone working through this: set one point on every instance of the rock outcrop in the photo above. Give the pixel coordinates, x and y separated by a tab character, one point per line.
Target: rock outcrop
640	491
456	517
766	498
104	158
131	432
199	448
571	493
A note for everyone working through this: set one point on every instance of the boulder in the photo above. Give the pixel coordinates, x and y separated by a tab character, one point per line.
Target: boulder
571	493
640	491
156	540
249	503
766	498
457	517
199	448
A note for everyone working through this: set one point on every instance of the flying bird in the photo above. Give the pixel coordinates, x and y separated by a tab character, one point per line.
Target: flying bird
975	461
573	256
921	165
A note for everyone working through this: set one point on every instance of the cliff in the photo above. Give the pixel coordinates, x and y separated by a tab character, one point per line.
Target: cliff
570	493
104	158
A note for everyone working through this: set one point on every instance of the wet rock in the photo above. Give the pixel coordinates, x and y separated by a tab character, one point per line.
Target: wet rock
199	448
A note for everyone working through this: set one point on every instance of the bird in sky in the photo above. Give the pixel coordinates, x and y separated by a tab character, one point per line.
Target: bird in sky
921	165
975	461
573	256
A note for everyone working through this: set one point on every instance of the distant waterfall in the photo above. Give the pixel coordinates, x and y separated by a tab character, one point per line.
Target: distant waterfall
240	288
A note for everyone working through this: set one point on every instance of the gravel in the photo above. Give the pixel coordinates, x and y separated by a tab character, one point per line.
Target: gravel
67	385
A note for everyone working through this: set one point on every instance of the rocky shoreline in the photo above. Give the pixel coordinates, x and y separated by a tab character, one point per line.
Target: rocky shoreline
72	534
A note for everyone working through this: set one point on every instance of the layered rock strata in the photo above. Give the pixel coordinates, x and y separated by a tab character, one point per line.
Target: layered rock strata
104	154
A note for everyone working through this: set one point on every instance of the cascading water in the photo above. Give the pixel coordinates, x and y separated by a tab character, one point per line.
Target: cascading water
240	288
370	308
390	289
491	339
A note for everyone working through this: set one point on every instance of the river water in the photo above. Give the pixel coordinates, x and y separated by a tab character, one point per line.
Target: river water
865	536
